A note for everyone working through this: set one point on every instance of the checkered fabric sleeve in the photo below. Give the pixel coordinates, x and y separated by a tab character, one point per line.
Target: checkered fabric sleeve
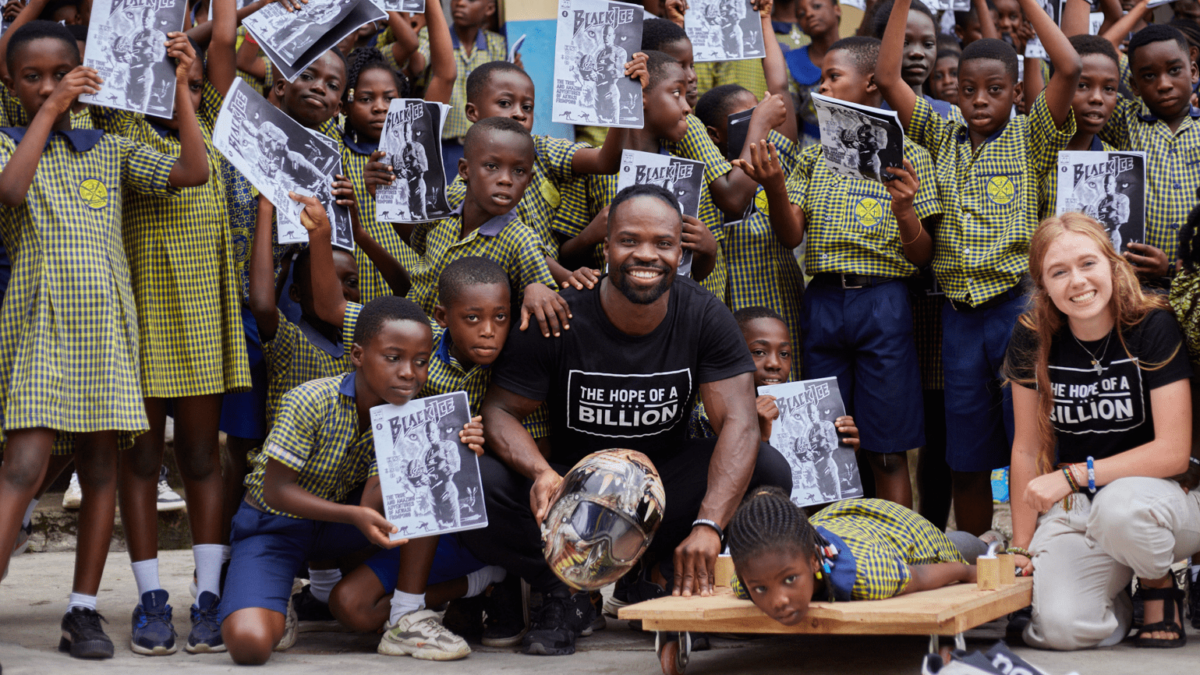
696	145
929	130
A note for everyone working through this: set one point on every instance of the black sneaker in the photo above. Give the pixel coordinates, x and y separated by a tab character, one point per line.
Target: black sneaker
504	625
1193	606
1017	621
464	617
83	636
311	613
559	622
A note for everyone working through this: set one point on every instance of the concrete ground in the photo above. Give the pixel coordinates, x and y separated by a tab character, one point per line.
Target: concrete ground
33	598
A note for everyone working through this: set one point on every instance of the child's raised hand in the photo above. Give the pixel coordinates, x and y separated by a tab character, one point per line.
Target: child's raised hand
81	80
764	166
377	172
636	69
517	61
472	435
848	430
375	527
343	191
771	112
763	7
180	49
698	238
548	307
674	11
903	187
584	277
11	9
313	216
291	5
768	412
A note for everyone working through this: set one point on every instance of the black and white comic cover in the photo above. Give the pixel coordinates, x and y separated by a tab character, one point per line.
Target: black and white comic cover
595	39
684	178
735	133
859	141
410	6
293	40
277	155
724	30
1034	48
411	137
127	47
824	468
429	478
1108	186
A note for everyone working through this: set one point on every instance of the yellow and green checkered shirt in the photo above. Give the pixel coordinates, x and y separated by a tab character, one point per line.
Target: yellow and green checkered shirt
488	47
184	274
989	196
298	354
748	73
370	282
1048	182
447	374
504	240
850	227
551	175
317	436
1172	167
885	539
68	336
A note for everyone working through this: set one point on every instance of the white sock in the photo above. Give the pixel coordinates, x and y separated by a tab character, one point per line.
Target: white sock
208	568
1195	569
226	554
321	582
146	574
82	601
29	513
405	603
479	580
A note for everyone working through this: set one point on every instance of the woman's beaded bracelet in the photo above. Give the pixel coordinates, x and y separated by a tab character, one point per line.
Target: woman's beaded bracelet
1070	479
1017	550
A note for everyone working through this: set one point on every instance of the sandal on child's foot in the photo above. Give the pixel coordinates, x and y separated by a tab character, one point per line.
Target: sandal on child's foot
1172	613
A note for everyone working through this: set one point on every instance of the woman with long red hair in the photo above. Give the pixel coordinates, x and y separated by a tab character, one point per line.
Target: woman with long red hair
1102	411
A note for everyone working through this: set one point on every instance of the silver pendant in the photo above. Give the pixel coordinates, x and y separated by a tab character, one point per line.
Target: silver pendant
1099	367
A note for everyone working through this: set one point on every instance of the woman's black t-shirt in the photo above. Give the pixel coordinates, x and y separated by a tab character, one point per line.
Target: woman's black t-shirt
1103	414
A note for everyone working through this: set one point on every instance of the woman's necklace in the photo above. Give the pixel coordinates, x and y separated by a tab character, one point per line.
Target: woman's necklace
1096	365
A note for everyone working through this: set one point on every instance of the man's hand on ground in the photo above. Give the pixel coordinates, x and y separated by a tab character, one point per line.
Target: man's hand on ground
696	562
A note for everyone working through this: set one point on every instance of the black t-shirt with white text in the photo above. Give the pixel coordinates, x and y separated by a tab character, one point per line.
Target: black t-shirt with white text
606	389
1101	415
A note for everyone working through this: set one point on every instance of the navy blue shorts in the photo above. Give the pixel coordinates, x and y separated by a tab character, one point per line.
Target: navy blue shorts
864	338
979	415
268	552
452	561
244	414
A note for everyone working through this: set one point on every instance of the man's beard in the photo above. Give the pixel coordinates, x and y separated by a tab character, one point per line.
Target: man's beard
639	296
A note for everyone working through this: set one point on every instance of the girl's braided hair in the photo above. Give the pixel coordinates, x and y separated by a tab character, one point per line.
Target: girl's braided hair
768	521
369	58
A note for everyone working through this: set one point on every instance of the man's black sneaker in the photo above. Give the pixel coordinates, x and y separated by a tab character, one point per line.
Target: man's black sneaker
561	619
1017	621
597	622
464	617
504	625
634	587
82	635
311	613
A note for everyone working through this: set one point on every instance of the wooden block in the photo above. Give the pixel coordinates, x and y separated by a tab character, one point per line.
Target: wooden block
988	574
943	611
724	571
1008	569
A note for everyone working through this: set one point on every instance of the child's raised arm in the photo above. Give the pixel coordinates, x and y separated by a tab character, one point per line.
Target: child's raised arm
1122	27
191	169
987	27
18	174
775	71
328	301
390	269
787	219
937	575
895	90
248	59
443	69
262	273
1067	65
405	48
1076	16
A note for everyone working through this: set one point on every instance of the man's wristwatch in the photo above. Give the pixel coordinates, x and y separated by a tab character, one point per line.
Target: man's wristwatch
716	528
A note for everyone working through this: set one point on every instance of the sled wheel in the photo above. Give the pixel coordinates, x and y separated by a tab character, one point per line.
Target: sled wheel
669	659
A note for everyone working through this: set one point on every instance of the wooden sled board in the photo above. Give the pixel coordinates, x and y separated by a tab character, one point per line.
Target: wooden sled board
944	611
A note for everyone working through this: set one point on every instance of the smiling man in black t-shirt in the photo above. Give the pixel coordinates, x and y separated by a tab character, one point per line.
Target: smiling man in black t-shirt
642	344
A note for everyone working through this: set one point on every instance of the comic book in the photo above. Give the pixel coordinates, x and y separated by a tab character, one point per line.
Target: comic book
735	133
293	40
1108	186
411	137
127	47
724	30
1034	48
824	469
595	39
858	140
277	155
684	178
429	478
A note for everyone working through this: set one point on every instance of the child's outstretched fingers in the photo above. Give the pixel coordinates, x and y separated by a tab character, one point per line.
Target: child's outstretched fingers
548	307
343	191
472	435
313	216
636	69
376	528
848	430
291	5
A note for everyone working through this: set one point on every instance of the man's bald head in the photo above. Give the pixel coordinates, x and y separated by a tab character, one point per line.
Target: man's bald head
634	193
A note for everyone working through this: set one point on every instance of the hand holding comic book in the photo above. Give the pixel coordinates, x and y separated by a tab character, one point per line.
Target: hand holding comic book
378	172
375	527
180	49
81	80
902	185
768	114
636	69
313	217
698	239
675	10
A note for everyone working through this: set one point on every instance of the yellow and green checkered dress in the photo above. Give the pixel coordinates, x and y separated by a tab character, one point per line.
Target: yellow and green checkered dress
184	276
747	73
68	324
294	357
370	282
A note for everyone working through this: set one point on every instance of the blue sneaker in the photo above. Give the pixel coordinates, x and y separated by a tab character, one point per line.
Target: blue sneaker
153	632
205	637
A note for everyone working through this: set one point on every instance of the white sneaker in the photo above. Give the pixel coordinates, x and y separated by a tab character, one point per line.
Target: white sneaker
418	634
168	499
73	497
289	623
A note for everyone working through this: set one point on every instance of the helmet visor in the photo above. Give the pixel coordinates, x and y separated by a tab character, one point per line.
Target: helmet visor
593	522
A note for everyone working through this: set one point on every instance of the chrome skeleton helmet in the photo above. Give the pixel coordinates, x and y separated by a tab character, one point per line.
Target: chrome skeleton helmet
603	517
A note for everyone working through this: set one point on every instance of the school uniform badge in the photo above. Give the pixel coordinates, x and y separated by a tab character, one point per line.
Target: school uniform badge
1000	190
94	193
868	211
